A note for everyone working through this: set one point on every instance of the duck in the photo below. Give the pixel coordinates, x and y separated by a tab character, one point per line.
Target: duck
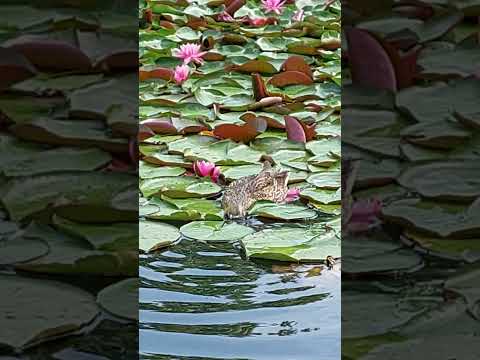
270	184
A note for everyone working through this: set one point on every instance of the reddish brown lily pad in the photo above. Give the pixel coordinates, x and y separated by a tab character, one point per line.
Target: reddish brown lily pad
14	67
369	61
290	78
253	66
49	54
158	73
297	63
160	126
241	133
299	131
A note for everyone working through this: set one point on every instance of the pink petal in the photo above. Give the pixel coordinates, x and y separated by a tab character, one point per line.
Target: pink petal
366	210
215	174
292	195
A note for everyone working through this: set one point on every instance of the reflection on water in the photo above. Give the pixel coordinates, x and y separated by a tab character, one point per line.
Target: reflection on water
203	301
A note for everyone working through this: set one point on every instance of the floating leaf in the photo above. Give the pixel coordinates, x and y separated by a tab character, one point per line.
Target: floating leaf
241	133
121	299
256	66
290	78
45	322
184	209
361	43
155	235
179	187
312	244
297	63
285	212
215	231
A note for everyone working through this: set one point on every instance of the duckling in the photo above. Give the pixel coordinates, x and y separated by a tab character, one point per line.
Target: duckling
270	184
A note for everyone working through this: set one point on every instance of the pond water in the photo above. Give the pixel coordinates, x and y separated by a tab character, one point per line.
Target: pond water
205	301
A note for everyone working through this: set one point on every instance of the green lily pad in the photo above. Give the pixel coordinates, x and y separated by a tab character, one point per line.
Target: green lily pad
43	82
73	192
310	244
155	235
19	249
161	159
327	197
360	321
95	101
236	172
445	220
116	237
436	134
329	180
70	255
467	250
69	132
282	211
225	152
179	187
454	180
58	160
31	319
325	146
215	231
184	209
148	171
121	299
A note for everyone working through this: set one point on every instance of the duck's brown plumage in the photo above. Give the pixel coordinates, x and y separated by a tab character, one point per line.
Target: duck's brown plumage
270	184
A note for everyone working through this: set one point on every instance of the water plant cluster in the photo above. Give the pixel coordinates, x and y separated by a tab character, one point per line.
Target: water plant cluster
224	85
411	146
68	229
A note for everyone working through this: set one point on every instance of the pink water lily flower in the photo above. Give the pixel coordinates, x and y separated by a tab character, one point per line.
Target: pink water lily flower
292	195
225	17
205	168
258	21
189	53
275	6
364	214
215	174
298	16
181	74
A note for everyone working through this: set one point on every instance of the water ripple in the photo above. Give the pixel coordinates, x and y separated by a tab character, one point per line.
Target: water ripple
199	301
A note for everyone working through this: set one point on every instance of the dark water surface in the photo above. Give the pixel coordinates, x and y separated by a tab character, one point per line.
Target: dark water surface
203	301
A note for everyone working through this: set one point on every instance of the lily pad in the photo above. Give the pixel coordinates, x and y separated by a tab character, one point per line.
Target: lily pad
326	197
19	249
325	180
293	244
30	319
184	209
282	211
434	218
68	193
148	171
453	180
69	255
58	160
179	187
115	237
121	299
155	235
215	231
